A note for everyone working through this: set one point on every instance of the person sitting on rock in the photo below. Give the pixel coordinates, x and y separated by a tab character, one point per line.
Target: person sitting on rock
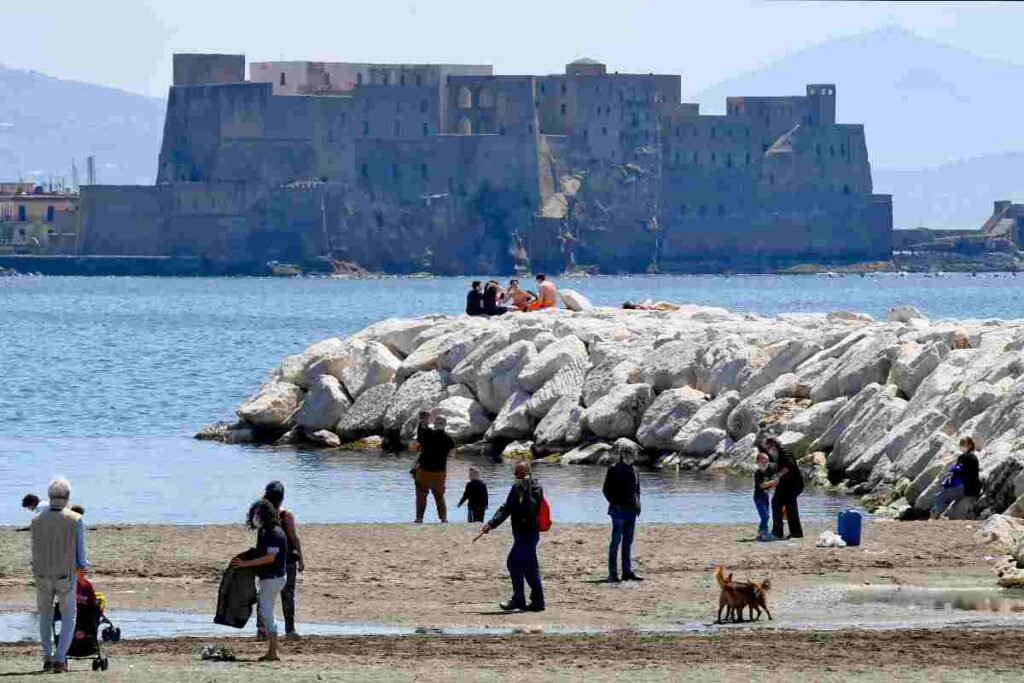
475	299
547	295
492	295
520	298
960	481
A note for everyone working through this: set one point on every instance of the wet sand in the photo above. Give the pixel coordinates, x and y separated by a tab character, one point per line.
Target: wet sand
434	577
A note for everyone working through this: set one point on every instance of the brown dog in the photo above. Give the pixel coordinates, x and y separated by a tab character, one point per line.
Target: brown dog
735	595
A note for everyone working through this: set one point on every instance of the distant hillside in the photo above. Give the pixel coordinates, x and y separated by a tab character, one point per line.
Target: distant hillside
957	195
45	122
923	103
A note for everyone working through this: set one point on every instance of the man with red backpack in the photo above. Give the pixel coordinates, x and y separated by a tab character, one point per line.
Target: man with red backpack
530	515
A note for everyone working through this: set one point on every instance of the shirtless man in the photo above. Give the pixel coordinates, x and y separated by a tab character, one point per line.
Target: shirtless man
547	292
518	297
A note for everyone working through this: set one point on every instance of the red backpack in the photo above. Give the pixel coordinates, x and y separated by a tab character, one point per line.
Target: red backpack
544	515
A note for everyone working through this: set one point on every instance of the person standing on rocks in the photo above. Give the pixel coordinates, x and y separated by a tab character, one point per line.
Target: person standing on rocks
789	484
523	506
475	299
431	469
960	481
58	556
622	491
294	563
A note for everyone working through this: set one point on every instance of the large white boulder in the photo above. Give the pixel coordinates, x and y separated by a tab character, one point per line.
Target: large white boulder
499	374
323	406
427	356
466	372
750	411
904	314
739	456
366	416
373	364
461	344
706	429
420	392
272	407
785	357
914	363
667	415
812	422
1000	529
917	456
567	351
293	369
562	426
575	301
670	366
513	420
586	455
867	427
399	335
608	374
568	381
619	412
909	431
868	361
723	365
846	414
467	419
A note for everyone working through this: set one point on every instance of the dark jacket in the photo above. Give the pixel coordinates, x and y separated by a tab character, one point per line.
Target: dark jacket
622	487
792	483
968	464
435	445
475	303
475	494
522	505
237	594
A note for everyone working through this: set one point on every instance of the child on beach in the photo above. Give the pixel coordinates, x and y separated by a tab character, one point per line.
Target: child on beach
476	495
763	482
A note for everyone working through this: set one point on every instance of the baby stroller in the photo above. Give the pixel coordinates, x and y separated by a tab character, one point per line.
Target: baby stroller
87	642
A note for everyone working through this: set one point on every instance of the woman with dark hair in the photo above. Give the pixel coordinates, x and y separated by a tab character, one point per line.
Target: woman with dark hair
789	484
492	295
274	492
271	555
475	299
961	480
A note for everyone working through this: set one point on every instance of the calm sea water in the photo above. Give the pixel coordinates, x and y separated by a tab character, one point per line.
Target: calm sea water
106	379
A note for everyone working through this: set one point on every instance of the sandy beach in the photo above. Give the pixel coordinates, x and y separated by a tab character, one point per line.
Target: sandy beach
433	577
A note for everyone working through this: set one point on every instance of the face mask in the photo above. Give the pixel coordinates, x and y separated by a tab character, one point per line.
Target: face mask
762	466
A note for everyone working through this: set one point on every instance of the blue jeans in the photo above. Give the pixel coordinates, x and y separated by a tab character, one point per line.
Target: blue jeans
947	497
623	527
763	505
524	568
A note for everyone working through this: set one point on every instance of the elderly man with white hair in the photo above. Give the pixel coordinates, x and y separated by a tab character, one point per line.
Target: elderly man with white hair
58	554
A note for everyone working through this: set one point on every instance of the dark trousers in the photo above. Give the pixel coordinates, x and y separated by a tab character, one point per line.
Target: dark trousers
763	504
287	601
475	514
623	528
524	568
786	498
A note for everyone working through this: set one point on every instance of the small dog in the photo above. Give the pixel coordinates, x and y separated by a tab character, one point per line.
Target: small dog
736	595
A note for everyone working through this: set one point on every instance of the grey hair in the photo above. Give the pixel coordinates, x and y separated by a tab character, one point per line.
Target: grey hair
59	489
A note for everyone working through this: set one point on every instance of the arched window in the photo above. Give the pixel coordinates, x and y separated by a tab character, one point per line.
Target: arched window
485	98
465	98
426	130
423	106
465	126
419	79
359	79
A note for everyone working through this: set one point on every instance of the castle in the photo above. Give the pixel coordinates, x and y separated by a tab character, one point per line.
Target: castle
451	169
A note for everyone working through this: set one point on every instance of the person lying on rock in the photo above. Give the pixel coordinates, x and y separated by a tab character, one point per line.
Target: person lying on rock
960	481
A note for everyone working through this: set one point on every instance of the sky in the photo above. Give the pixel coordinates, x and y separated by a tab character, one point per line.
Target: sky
129	43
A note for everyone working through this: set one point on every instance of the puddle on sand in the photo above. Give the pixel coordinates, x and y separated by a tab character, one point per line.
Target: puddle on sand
965	599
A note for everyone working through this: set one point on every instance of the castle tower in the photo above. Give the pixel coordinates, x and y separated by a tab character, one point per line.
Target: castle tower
822	103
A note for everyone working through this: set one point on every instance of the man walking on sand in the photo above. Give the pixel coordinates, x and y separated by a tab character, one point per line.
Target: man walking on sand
522	505
58	555
431	469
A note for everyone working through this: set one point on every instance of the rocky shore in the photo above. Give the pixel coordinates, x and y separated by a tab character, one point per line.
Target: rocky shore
873	406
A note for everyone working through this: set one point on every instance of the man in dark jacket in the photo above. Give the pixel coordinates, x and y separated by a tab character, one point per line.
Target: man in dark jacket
522	505
475	299
622	491
430	472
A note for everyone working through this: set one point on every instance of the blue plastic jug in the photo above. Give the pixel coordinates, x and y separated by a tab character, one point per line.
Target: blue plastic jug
849	526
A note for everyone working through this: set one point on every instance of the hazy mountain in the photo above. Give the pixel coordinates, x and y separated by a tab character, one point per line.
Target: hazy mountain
957	195
45	122
923	103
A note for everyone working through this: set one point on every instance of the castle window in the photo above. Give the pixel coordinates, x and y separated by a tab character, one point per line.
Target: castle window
419	79
529	127
721	209
682	209
49	213
501	130
543	89
585	136
712	132
831	150
366	127
842	149
696	157
604	131
563	89
359	79
426	130
379	218
423	106
394	171
423	171
398	128
817	150
327	78
330	135
846	189
728	160
728	133
465	99
401	79
713	157
675	157
677	132
703	210
364	171
282	78
465	126
747	159
562	109
647	134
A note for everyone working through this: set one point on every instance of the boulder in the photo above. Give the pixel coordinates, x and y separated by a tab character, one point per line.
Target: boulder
323	406
467	371
619	412
610	373
909	431
293	368
925	486
562	426
568	381
499	374
846	414
323	438
810	424
397	334
785	357
1001	530
904	314
272	407
467	419
1000	463
218	431
867	427
866	362
517	450
706	429
373	364
913	363
849	316
917	456
366	416
574	301
722	365
586	455
460	390
750	411
667	415
567	351
513	420
544	340
739	456
460	345
427	356
670	366
420	392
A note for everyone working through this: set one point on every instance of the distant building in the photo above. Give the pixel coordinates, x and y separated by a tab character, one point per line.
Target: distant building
451	168
1006	222
33	219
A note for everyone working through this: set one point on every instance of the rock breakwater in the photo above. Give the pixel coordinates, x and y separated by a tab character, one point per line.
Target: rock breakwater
875	406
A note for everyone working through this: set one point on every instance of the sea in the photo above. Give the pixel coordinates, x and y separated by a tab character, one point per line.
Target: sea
105	381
